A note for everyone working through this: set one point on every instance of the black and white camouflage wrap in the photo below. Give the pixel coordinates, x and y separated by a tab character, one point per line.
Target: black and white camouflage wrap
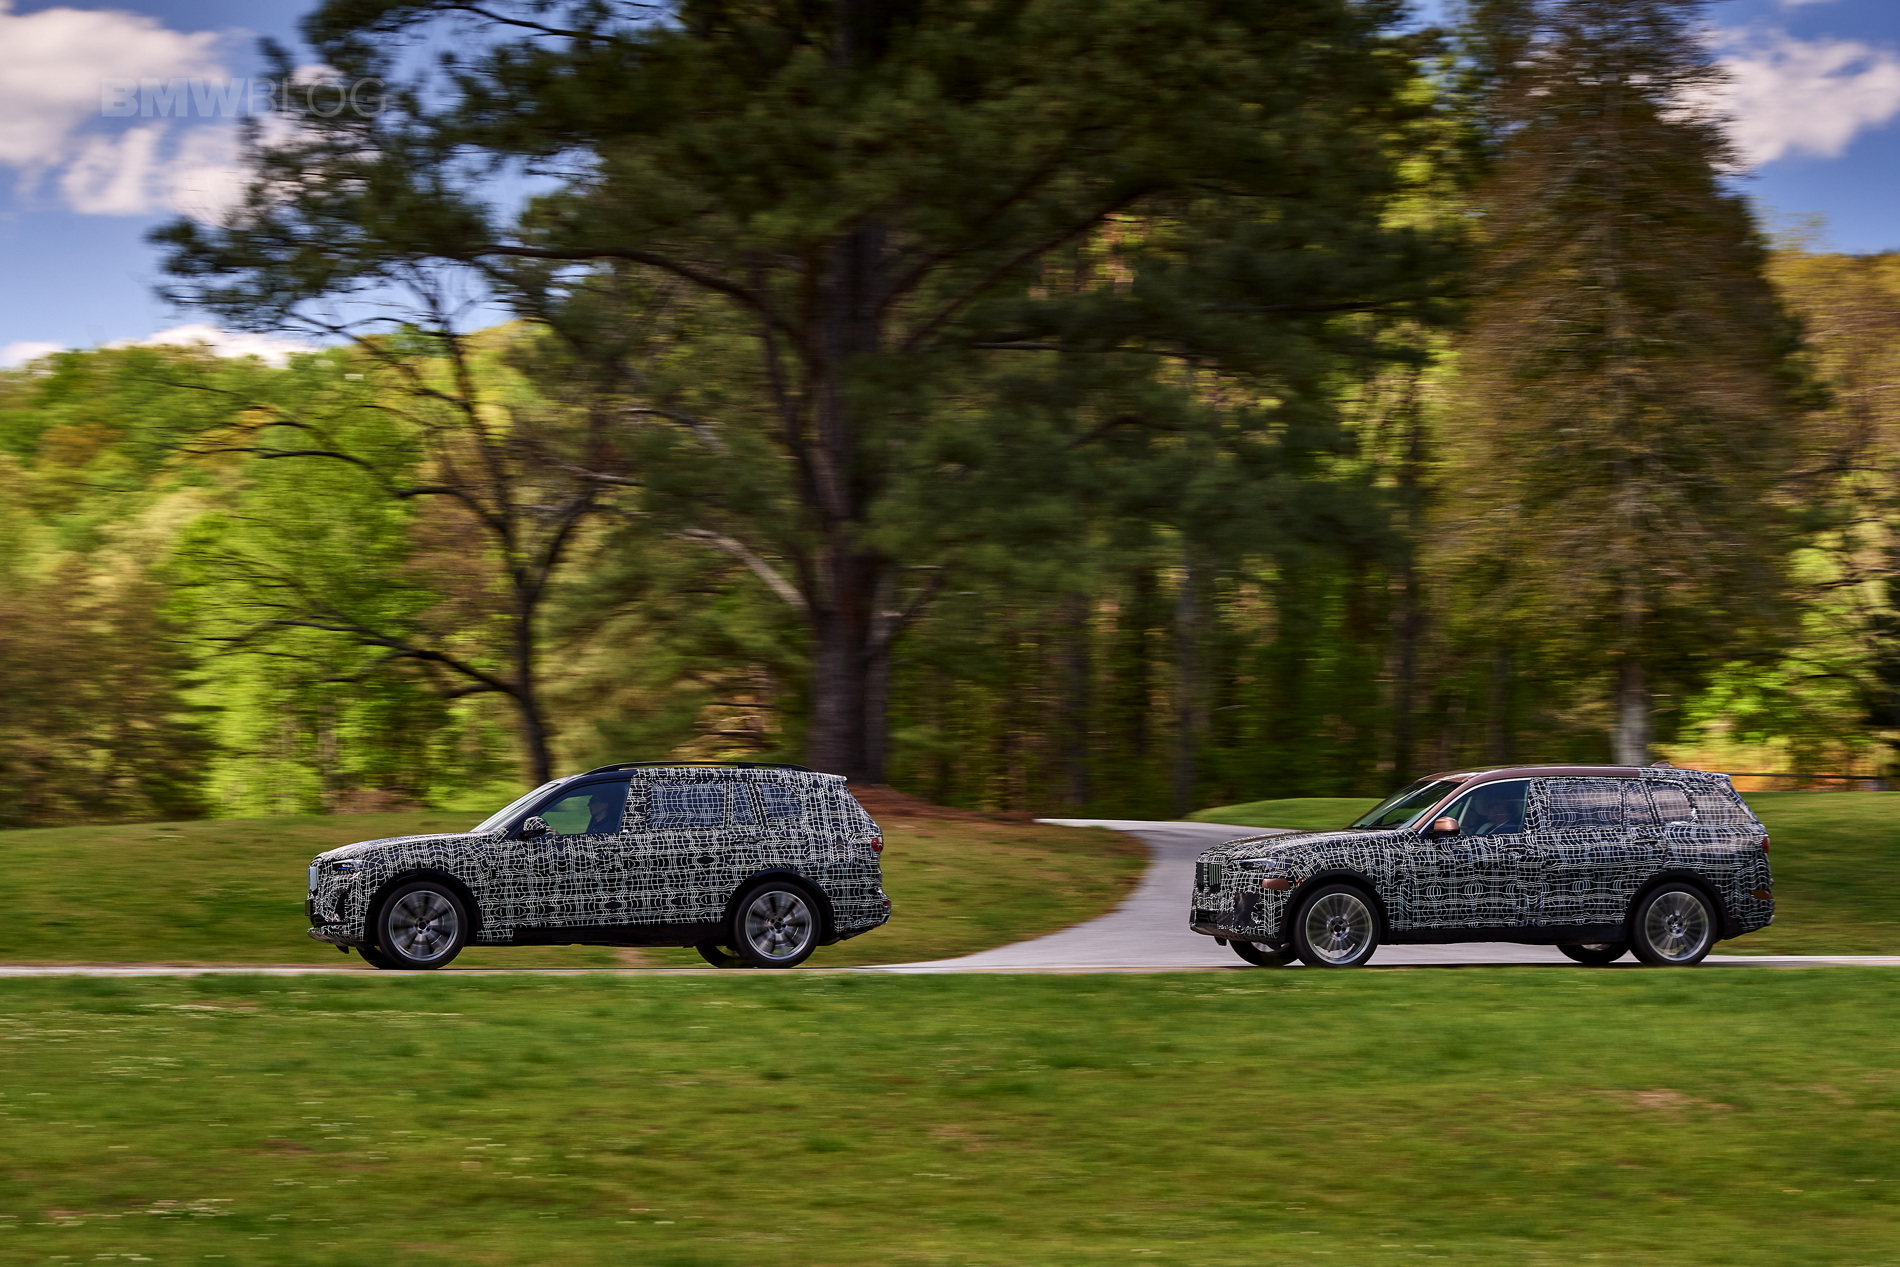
689	838
1591	841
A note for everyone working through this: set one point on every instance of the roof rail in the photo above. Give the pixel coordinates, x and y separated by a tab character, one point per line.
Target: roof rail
723	765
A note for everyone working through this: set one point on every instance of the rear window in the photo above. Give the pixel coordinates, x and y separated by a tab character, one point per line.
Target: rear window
1672	802
782	805
1716	806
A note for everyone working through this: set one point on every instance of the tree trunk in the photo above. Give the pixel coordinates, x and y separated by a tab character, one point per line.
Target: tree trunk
1409	621
838	681
1498	743
848	705
1074	731
1632	714
1187	676
527	699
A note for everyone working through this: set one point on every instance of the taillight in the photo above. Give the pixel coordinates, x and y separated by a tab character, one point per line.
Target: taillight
1764	844
877	844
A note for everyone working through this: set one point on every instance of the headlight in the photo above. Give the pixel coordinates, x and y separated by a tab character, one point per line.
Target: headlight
1261	864
312	886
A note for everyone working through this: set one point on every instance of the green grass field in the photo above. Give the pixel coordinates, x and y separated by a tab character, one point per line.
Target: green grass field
231	891
1836	857
1488	1116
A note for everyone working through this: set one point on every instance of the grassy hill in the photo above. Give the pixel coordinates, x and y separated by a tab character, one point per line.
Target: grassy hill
1489	1117
1836	857
231	890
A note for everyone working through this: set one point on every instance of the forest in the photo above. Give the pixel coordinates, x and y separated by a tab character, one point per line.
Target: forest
1106	406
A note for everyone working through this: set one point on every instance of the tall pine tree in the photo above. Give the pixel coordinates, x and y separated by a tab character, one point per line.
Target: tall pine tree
1627	393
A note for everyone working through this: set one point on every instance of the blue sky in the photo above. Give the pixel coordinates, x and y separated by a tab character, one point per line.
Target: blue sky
1817	95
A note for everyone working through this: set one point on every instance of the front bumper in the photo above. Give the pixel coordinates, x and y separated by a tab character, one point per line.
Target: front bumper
1241	912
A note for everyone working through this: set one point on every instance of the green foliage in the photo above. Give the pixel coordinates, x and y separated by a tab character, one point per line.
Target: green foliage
941	261
1489	1116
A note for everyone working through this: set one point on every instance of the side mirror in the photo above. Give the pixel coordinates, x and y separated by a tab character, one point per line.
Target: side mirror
1442	827
532	826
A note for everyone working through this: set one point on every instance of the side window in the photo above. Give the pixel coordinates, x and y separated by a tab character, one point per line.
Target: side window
1583	802
743	812
1672	803
593	810
687	805
782	805
1493	809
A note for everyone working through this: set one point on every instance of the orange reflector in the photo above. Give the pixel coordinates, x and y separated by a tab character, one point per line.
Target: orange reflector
1276	882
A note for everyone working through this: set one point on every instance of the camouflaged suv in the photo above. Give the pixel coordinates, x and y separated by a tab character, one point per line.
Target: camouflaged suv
753	865
1595	860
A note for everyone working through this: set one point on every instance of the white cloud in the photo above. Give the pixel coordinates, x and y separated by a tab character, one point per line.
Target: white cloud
52	62
14	355
268	348
1792	96
54	66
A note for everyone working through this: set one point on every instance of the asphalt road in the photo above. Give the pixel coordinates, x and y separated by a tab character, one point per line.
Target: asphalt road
1147	933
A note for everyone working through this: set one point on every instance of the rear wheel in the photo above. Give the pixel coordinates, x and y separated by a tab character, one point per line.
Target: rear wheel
1596	954
1335	927
775	925
1258	954
1674	927
422	924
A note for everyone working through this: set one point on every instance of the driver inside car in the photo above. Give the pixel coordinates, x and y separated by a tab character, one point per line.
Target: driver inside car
1500	813
603	810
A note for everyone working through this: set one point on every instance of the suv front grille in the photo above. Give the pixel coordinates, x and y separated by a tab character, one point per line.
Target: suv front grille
1209	872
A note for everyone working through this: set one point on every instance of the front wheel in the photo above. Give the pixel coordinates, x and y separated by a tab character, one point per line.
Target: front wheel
1335	927
1257	954
1596	954
775	925
1674	927
422	924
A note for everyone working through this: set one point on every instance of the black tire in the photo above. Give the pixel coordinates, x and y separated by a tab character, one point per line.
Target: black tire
374	957
1596	954
1336	926
775	924
718	956
1260	956
421	925
1674	926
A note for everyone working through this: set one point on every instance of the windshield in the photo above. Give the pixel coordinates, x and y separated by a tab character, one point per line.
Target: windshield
501	817
1405	804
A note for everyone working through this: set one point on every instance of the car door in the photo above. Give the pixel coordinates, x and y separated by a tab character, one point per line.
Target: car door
1485	876
688	839
1599	839
561	879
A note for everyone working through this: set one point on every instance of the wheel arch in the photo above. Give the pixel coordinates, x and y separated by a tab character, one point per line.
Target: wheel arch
373	909
828	925
1679	875
1341	875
